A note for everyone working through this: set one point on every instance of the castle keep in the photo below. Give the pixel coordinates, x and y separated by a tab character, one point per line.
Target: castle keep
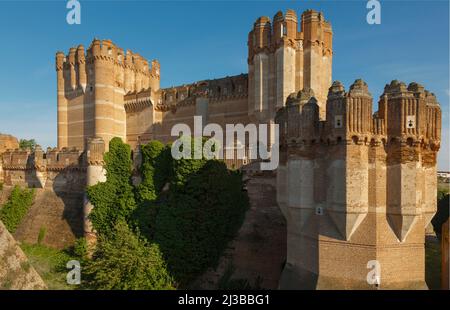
357	188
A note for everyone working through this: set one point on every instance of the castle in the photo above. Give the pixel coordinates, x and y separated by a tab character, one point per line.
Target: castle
357	188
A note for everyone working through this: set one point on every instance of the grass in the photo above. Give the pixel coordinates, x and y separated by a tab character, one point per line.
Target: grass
433	264
50	264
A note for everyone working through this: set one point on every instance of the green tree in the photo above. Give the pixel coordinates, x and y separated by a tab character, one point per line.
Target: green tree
24	143
125	261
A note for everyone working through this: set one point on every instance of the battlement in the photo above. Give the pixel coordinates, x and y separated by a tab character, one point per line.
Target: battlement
267	37
136	102
78	67
406	113
216	90
52	159
106	50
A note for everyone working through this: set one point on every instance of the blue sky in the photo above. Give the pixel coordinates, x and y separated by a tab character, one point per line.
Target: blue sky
197	40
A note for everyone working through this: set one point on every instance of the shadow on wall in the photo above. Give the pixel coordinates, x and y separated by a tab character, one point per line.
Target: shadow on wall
69	186
57	207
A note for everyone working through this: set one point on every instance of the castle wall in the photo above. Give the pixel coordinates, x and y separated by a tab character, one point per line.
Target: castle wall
60	171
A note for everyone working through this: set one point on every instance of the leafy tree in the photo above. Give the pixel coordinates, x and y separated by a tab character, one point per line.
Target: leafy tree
24	143
126	261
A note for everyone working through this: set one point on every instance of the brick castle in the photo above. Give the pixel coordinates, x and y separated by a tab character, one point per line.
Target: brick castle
354	186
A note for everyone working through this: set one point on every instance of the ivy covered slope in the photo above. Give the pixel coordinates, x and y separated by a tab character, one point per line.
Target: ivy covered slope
186	210
17	206
204	210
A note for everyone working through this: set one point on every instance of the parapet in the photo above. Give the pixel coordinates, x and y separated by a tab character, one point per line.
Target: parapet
216	90
267	37
75	69
52	159
406	113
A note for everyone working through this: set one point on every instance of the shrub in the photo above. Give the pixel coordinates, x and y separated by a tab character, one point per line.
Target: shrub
126	261
30	144
15	209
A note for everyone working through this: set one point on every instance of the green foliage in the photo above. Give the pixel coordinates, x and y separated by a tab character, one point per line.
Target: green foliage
113	200
155	170
15	209
188	228
126	261
195	225
41	236
183	168
24	144
80	248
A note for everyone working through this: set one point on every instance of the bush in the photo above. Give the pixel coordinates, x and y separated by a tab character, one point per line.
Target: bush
27	144
126	261
15	209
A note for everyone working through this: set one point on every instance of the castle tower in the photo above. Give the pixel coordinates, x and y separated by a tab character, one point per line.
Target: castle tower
358	190
95	173
91	90
283	60
413	131
61	101
318	55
